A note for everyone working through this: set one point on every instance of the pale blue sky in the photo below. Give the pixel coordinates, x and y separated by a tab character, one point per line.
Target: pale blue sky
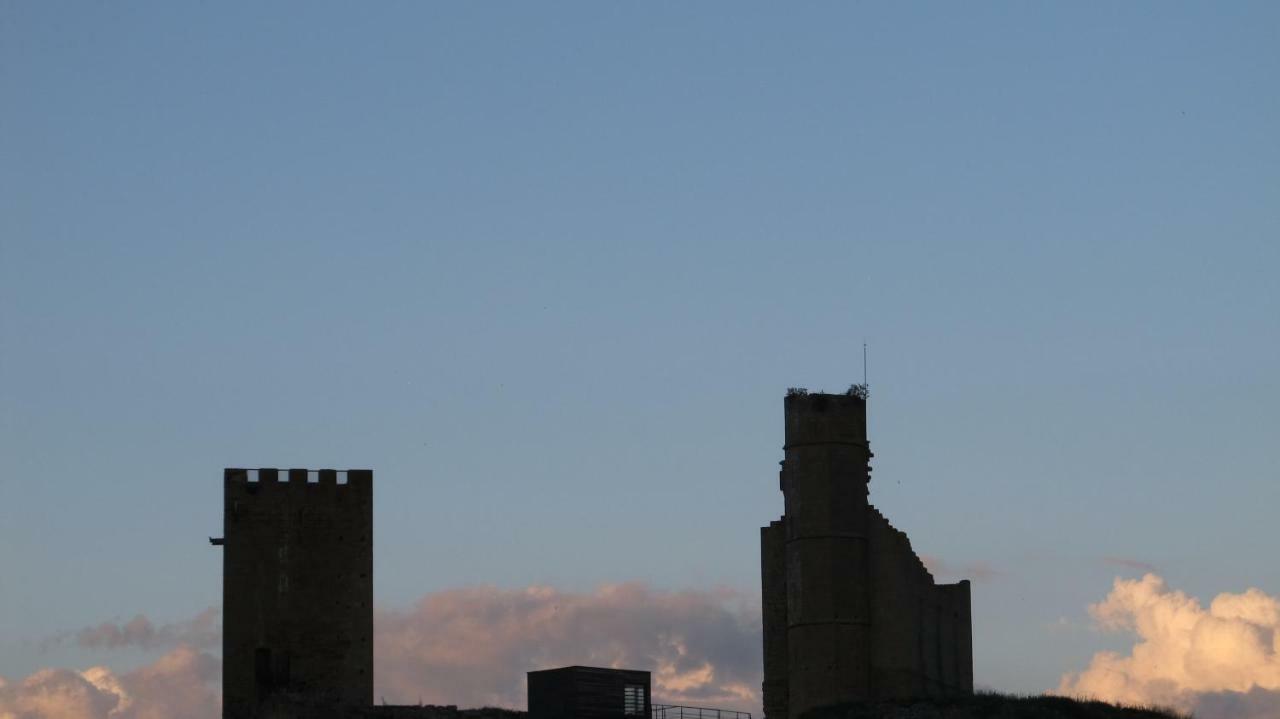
549	268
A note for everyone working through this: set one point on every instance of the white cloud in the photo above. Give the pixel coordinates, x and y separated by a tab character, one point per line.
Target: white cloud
179	685
1223	661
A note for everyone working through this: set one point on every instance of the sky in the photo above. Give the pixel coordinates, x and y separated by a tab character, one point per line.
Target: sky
548	270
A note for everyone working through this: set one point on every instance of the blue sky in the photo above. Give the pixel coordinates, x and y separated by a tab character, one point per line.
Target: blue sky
548	269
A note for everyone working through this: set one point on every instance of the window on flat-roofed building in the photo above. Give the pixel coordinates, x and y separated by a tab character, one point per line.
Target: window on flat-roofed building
633	700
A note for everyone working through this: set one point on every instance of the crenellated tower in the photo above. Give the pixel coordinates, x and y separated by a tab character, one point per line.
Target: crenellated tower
297	595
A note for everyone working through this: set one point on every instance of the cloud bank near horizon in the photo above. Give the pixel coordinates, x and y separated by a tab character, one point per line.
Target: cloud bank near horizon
473	646
469	647
182	683
1222	662
203	631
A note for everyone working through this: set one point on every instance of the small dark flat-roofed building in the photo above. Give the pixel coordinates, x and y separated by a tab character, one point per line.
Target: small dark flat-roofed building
588	693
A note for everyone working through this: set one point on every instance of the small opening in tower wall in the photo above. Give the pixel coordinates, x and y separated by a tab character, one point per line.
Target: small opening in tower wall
262	669
342	477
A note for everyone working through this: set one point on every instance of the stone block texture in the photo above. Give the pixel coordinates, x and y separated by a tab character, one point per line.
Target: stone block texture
850	612
297	591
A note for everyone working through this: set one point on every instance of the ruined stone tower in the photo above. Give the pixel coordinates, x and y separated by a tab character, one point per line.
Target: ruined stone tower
297	594
850	613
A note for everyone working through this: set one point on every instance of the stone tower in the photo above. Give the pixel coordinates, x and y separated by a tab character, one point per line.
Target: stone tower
297	594
850	613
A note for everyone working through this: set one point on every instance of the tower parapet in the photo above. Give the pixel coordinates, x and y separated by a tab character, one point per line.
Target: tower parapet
820	418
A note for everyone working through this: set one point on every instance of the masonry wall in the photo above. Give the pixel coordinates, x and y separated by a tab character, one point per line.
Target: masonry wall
297	589
850	613
824	486
773	572
922	644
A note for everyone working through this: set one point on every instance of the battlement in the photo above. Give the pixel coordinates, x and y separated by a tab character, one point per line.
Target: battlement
294	478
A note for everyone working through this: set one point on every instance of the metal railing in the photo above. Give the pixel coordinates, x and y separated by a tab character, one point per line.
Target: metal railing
674	711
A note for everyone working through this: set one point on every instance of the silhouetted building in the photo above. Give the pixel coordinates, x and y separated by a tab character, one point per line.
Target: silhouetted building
297	608
297	591
850	612
588	693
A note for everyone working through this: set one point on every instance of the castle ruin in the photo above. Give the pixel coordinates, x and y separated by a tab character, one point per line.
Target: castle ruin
850	612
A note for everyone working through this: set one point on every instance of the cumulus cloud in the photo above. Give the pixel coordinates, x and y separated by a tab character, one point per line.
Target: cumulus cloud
202	631
472	647
1223	661
179	685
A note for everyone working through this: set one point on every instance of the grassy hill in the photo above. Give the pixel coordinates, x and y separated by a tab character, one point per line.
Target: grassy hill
994	706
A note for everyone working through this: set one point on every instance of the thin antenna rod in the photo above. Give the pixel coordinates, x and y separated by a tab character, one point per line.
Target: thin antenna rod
864	364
